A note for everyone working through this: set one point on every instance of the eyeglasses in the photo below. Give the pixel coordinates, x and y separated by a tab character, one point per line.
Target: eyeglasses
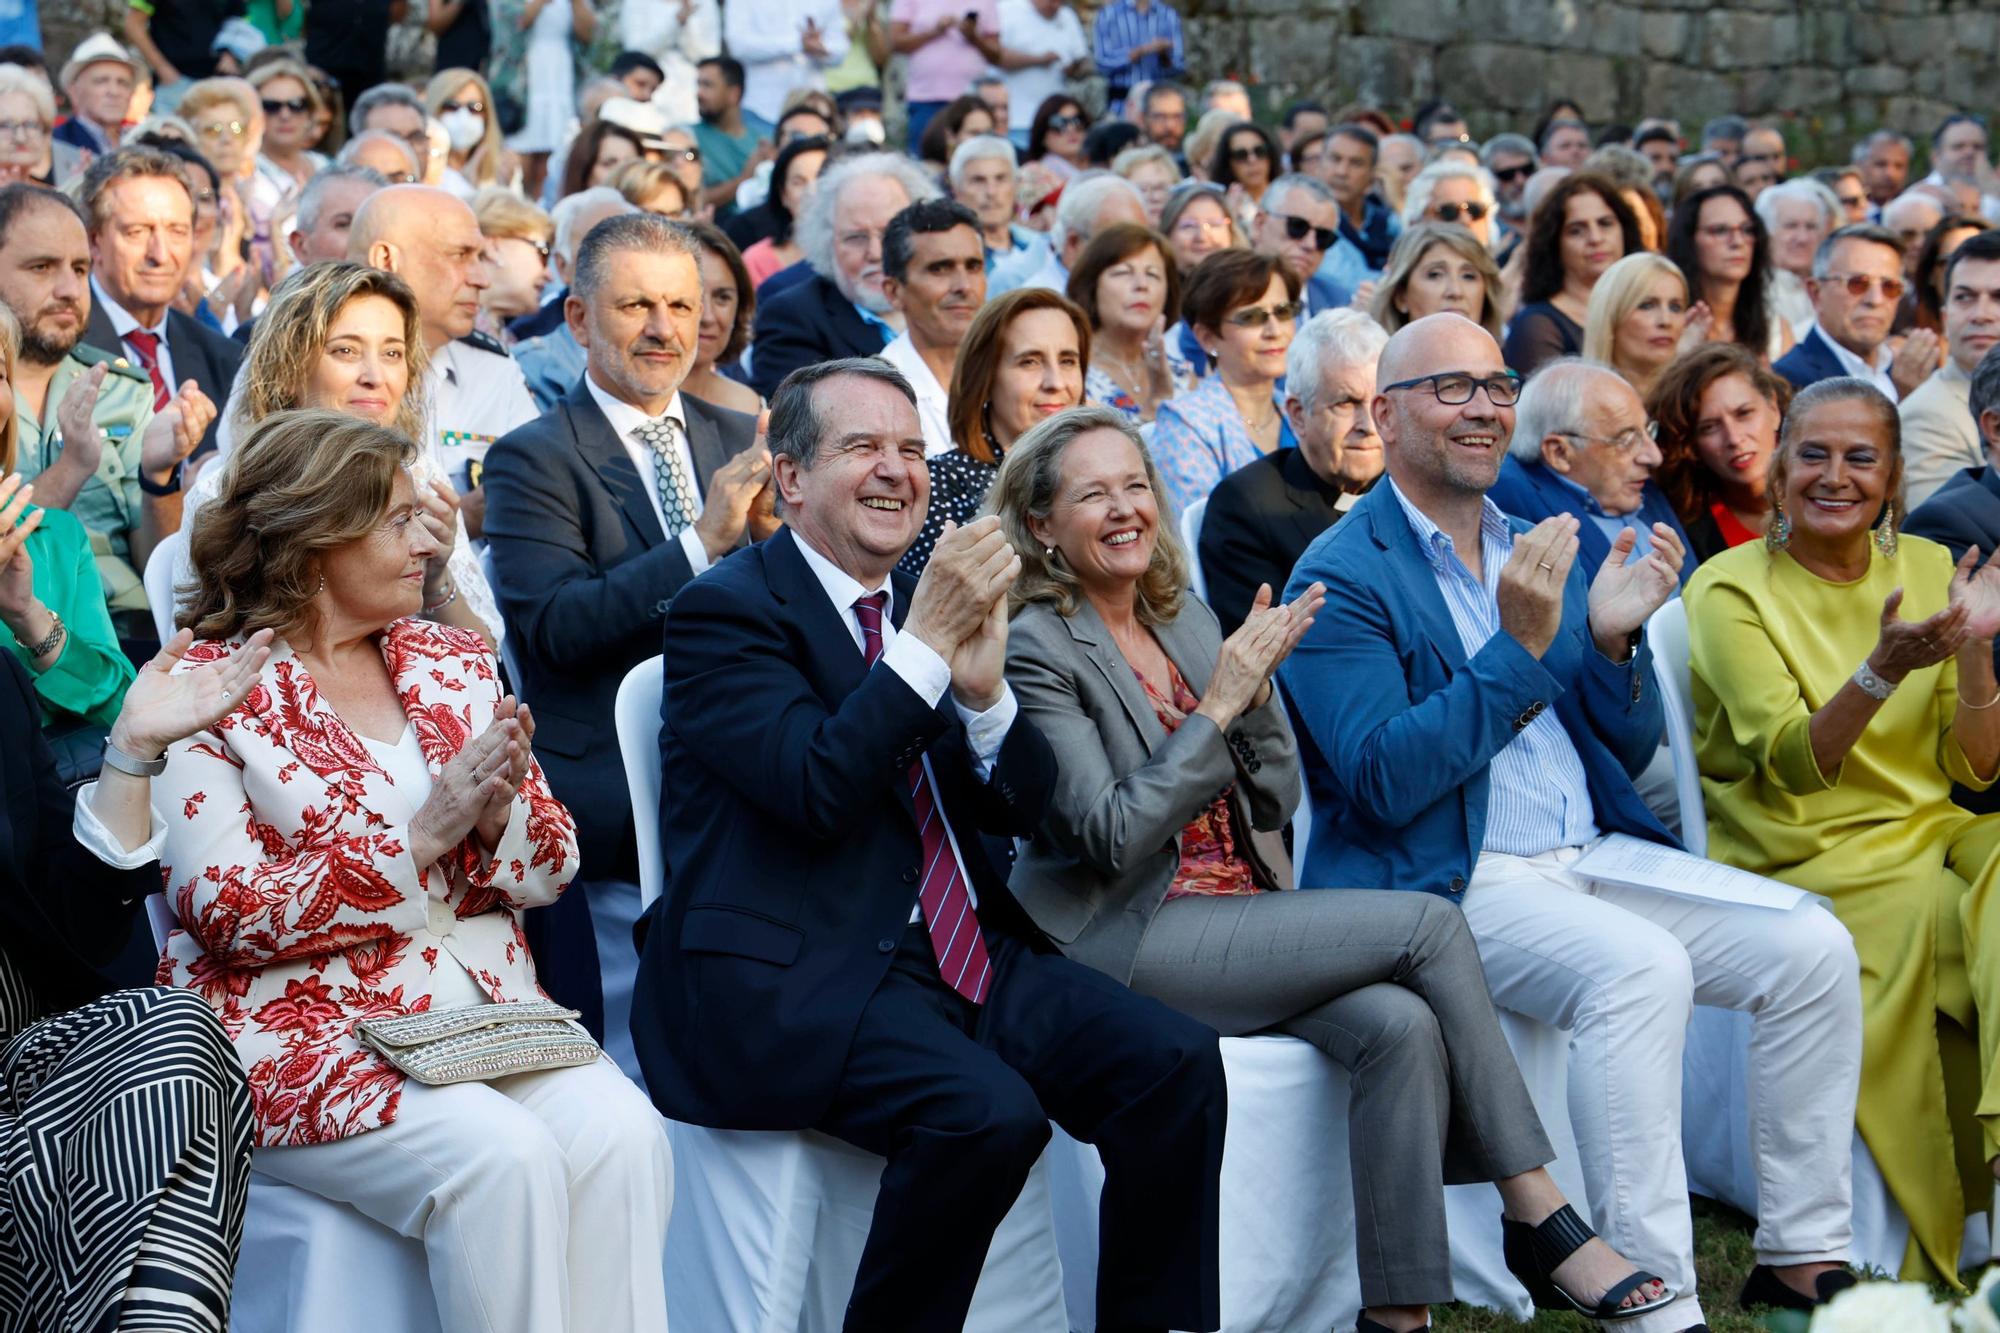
1859	284
1625	441
1066	122
1850	202
1728	231
217	130
1298	229
200	196
1256	317
23	129
539	247
475	106
1508	175
1472	212
298	106
1455	388
672	154
1250	152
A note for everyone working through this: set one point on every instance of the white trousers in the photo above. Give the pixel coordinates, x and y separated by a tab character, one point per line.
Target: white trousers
1620	970
541	1199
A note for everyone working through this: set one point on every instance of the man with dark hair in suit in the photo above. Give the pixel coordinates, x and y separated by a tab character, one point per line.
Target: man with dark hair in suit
598	512
834	948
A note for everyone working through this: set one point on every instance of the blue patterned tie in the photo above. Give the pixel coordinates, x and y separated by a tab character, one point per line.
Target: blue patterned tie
677	498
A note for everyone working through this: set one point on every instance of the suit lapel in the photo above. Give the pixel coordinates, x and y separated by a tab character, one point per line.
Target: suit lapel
599	447
1091	634
1412	569
190	357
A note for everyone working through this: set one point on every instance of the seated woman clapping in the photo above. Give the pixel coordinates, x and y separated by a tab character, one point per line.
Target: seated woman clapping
1159	863
1843	680
358	839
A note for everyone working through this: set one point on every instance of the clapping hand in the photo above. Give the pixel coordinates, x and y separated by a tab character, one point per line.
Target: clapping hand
475	783
1912	645
1242	677
437	505
163	706
492	822
1921	353
76	418
960	607
1700	322
1624	594
17	568
175	430
1532	581
1973	587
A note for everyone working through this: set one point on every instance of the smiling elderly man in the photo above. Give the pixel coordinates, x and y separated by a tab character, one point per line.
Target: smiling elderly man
1582	445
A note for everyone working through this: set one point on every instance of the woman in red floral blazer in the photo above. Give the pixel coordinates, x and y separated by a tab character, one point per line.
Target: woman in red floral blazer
358	838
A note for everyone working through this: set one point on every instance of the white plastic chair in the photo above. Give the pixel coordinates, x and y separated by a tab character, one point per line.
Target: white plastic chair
768	1226
1667	635
159	579
1191	538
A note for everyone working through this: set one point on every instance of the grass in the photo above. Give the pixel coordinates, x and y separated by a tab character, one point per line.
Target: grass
1722	1258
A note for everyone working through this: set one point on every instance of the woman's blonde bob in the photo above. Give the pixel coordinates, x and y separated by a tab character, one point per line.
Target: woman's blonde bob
1026	488
299	485
291	335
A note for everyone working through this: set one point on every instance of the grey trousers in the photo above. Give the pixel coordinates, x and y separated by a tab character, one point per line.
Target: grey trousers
1388	984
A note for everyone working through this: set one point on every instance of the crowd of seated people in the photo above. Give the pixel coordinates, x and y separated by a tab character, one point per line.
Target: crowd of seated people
1165	570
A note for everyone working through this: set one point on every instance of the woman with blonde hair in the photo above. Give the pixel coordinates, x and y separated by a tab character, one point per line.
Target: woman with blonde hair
348	338
227	117
518	236
1639	318
291	105
1199	146
1438	266
653	187
460	101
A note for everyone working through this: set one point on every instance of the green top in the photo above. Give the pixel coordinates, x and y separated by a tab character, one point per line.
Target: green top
109	503
263	15
88	678
723	155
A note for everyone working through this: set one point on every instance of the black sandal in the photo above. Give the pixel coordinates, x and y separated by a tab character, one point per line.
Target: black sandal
1766	1288
1533	1252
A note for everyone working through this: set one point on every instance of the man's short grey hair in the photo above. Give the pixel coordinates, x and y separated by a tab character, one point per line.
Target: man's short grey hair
1076	212
1424	184
139	162
1985	394
1509	143
977	149
352	148
814	228
1280	189
1724	127
1138	155
571	207
1857	231
312	198
1553	403
1329	340
1798	190
797	425
645	232
1868	143
381	95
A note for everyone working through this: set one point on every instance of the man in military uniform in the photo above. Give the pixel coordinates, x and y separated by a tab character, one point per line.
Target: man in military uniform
90	440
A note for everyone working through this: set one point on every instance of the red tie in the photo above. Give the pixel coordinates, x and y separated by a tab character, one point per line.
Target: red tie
146	346
947	904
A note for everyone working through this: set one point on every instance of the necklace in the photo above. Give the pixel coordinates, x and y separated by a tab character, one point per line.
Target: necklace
1122	374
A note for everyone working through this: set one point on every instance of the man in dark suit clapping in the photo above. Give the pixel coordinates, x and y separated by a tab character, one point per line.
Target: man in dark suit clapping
834	949
598	512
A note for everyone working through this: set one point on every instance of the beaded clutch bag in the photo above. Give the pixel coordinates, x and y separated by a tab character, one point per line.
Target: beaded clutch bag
481	1041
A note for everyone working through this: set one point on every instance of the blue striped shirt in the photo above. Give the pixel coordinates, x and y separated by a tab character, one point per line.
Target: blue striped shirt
1537	796
1120	27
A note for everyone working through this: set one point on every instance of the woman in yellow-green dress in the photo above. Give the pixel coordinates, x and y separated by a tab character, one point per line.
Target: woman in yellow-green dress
1843	680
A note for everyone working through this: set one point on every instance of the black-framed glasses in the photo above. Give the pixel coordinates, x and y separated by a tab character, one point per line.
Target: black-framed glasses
1250	152
298	106
1625	441
1257	316
475	106
1454	388
1472	212
1298	229
1066	121
22	129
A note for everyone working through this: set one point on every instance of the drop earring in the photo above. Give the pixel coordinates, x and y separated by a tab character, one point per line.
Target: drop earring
1779	535
1885	532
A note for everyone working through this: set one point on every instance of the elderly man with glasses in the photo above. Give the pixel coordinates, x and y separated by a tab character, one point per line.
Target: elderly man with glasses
1478	698
1857	279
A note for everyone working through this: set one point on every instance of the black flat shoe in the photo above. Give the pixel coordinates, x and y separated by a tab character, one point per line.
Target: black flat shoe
1363	1324
1533	1253
1765	1287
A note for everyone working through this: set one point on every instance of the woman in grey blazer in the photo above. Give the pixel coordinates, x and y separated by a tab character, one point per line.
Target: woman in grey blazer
1160	863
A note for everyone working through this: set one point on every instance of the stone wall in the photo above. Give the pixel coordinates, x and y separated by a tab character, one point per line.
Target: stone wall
1829	69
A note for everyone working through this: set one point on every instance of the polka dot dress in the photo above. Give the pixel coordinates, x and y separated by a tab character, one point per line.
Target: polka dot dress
959	483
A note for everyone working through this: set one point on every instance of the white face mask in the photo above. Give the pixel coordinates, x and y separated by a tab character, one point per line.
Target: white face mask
466	128
866	130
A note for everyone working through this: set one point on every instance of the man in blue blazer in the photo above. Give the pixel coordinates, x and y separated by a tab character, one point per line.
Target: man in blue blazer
835	949
1582	446
1473	706
1857	277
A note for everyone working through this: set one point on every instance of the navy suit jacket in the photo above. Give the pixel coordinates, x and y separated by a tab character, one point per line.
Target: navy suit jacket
583	573
791	845
204	355
1811	361
1534	491
1965	512
809	323
1397	726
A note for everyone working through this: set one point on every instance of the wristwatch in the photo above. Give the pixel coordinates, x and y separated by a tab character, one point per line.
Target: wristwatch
171	487
1871	684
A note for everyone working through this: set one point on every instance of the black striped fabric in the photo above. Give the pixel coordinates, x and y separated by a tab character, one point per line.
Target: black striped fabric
124	1164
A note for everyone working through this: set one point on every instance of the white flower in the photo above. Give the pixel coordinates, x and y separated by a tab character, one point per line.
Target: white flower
1975	1314
1878	1307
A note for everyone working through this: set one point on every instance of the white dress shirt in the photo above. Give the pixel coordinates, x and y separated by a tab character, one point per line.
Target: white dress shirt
476	397
124	321
1023	29
626	420
924	672
931	396
1877	374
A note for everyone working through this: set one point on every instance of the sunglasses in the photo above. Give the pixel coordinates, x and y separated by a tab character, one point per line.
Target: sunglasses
672	154
1508	175
1250	152
1472	212
476	107
222	129
1066	122
1256	317
1298	229
1858	285
298	106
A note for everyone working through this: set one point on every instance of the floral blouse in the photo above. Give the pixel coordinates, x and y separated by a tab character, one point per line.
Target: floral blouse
1210	862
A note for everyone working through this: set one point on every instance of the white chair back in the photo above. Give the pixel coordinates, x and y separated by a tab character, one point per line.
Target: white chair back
161	567
637	714
1191	538
1667	634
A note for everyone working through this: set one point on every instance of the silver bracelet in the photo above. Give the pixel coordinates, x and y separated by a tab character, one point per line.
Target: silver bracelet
37	651
138	768
1871	684
449	598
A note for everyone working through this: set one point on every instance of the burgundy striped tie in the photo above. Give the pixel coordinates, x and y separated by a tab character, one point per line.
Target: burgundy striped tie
947	903
146	346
